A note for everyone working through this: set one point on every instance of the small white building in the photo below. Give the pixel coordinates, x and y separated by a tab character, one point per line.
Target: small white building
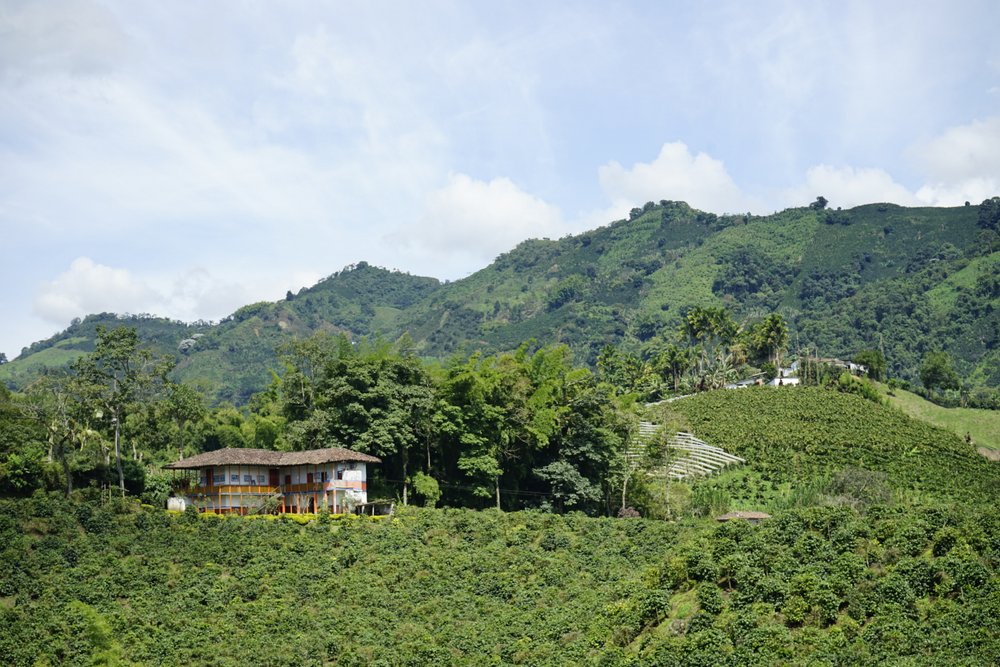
787	377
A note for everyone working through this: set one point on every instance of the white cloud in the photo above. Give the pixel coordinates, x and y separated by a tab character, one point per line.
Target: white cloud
675	174
849	186
478	219
972	190
962	164
89	287
187	294
963	152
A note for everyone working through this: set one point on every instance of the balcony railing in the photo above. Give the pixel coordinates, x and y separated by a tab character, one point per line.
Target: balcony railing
232	489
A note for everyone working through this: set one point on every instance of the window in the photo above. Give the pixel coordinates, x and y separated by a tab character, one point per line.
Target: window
234	478
218	478
340	472
248	479
326	476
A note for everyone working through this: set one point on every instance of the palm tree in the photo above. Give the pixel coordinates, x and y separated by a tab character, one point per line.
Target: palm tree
676	361
714	329
771	334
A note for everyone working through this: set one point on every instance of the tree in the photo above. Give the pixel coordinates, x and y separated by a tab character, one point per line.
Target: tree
427	487
674	361
369	398
770	336
989	214
936	371
819	204
623	370
709	329
115	377
874	360
22	439
55	402
3	358
470	418
183	407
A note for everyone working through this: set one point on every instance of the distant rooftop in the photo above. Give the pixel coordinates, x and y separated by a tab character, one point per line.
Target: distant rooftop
746	515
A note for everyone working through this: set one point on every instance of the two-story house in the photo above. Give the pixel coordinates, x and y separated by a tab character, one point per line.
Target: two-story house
242	480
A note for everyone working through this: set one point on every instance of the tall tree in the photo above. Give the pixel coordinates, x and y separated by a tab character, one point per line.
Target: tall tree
368	397
115	376
675	362
874	360
770	336
936	371
55	402
709	332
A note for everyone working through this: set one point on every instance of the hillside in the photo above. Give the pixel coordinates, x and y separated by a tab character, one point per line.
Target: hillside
90	584
905	280
801	443
883	548
983	426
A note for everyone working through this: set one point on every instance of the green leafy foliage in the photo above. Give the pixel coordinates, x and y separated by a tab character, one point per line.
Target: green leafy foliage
115	584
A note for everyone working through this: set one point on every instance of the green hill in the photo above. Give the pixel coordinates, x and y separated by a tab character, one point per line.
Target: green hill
883	548
805	442
983	426
905	280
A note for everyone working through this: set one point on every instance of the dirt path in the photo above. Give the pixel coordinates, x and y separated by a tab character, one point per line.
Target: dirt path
991	454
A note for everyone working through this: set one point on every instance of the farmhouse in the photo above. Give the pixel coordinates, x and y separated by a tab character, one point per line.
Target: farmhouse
242	481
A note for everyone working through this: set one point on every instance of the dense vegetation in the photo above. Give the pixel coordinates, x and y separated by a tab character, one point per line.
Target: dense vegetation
526	429
906	281
114	584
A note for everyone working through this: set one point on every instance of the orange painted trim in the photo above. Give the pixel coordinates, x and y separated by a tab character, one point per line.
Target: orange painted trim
230	490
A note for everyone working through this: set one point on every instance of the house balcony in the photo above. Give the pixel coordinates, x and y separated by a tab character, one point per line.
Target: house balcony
319	487
231	490
247	489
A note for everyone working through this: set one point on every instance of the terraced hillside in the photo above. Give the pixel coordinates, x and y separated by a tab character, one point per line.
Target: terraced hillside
805	437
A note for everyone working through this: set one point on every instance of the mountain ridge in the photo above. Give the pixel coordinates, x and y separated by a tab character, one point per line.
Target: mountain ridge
907	280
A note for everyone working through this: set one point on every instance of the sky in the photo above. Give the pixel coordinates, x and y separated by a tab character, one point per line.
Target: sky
186	158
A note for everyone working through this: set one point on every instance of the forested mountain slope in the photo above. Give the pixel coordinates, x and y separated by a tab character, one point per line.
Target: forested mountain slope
904	280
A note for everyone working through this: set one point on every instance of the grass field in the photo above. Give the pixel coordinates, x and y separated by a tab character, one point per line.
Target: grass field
982	425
